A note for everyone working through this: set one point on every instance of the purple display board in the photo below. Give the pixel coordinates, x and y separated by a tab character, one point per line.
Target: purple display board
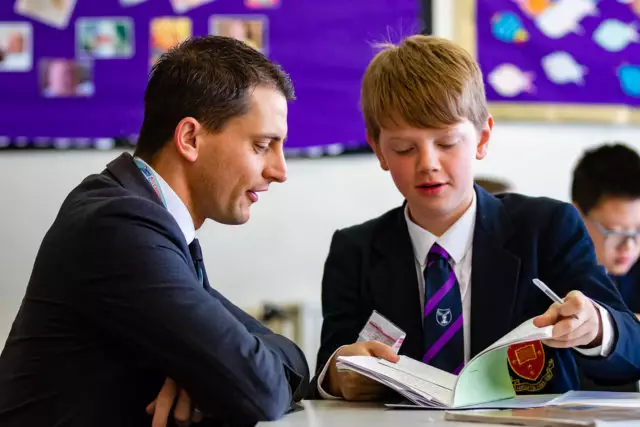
580	52
78	68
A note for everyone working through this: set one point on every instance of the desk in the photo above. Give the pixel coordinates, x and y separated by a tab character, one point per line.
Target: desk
330	413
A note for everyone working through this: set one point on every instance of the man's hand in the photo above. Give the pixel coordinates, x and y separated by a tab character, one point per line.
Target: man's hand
183	413
351	385
575	323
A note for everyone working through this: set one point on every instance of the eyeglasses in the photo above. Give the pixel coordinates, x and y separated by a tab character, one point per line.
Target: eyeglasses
616	238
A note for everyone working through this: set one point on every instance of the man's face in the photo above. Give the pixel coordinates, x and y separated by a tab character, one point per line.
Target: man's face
238	163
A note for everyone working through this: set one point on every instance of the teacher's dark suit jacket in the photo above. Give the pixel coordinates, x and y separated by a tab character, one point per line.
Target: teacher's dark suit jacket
114	306
516	238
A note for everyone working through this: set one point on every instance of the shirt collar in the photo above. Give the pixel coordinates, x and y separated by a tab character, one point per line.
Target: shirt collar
456	240
175	206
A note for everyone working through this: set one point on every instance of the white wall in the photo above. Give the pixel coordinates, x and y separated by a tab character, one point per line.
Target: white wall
278	255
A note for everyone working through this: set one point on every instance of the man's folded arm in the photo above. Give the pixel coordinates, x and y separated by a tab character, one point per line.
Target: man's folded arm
140	288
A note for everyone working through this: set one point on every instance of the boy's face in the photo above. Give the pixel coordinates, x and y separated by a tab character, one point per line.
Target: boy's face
610	216
433	168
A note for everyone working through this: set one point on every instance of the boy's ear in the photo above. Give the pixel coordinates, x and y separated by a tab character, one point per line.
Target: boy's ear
485	136
376	149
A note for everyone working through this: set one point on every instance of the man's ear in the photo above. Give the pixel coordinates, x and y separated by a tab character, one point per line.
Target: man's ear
185	138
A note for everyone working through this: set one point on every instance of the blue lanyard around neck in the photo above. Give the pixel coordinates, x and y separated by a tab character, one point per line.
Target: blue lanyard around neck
155	184
151	178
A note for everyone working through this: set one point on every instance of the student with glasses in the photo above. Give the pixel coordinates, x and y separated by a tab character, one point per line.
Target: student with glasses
606	191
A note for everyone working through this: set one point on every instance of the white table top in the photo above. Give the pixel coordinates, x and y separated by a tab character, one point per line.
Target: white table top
328	413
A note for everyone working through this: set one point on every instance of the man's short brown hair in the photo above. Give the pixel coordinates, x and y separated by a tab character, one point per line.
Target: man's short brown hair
209	78
427	82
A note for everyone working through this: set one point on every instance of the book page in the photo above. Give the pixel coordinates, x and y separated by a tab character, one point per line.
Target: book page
403	380
486	377
561	416
526	332
524	401
599	398
423	371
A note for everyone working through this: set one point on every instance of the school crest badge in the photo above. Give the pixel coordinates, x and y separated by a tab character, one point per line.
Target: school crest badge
527	359
443	316
531	369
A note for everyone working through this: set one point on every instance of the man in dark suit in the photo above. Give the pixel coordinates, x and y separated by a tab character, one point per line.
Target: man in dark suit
453	267
119	303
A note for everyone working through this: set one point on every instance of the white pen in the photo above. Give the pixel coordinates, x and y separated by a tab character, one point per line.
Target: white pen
547	290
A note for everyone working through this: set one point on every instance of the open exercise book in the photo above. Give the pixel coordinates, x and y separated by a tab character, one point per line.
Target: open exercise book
484	382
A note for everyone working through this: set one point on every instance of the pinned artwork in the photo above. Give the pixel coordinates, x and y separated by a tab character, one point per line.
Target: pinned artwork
614	35
262	4
127	3
634	4
166	32
629	76
66	78
564	17
508	80
507	27
16	46
55	13
533	8
562	68
251	29
182	6
105	38
556	60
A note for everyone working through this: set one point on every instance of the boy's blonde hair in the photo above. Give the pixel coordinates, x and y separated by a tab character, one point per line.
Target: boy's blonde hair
426	82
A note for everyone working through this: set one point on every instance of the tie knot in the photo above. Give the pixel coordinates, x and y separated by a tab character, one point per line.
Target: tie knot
437	253
196	251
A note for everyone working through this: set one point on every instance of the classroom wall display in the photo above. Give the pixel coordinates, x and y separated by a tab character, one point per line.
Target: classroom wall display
73	72
556	60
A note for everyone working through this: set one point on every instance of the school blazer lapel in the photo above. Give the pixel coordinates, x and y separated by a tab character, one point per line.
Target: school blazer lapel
494	273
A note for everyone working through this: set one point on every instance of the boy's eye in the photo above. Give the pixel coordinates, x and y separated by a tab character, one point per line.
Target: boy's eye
404	150
447	143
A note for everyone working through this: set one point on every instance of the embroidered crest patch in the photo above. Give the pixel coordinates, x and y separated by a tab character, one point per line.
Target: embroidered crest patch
527	361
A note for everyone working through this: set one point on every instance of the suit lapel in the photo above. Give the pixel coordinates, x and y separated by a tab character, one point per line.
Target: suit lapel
394	285
124	171
494	274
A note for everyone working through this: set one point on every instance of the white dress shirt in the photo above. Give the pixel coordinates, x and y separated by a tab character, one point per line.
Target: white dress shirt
458	242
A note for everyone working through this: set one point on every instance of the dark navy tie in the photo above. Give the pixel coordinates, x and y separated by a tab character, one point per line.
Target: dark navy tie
198	263
442	320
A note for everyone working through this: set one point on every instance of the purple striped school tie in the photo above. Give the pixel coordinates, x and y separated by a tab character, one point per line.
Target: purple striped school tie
442	320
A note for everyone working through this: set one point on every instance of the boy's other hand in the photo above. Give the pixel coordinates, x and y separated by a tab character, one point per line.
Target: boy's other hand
351	385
